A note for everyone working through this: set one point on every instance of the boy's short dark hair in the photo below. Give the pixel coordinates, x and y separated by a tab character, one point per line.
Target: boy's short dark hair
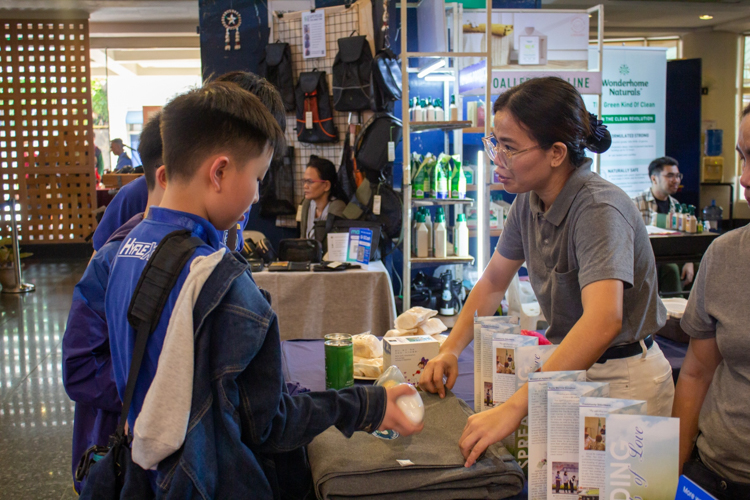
219	116
150	149
263	89
656	166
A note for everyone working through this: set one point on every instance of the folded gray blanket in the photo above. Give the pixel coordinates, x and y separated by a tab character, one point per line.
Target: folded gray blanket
365	466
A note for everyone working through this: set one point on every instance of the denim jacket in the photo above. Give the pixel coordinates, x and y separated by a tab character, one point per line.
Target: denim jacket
246	434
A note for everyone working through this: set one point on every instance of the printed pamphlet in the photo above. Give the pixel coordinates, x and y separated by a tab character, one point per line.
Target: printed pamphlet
592	439
642	457
537	420
563	400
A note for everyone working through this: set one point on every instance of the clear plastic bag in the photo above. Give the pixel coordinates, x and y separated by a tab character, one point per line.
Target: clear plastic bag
391	377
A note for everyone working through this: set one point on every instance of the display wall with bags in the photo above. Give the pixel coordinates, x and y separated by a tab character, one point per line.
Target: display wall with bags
340	23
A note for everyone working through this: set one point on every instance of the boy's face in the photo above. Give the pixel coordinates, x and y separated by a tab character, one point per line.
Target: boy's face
239	190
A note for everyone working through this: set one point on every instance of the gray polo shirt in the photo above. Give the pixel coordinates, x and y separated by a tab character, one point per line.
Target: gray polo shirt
717	309
592	232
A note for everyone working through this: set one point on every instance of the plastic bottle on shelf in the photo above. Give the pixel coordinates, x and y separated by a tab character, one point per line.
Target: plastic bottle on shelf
676	218
711	216
427	216
440	235
461	237
453	109
692	221
429	111
441	178
439	111
480	113
417	113
422	237
458	179
411	109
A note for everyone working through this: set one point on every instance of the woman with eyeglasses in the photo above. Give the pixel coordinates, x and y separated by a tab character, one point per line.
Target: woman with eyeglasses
320	185
587	251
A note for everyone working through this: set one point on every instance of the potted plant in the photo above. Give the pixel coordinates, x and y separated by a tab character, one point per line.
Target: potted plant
8	263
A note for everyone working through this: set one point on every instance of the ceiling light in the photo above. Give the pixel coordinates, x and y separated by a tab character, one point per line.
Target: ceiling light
706	17
432	67
440	78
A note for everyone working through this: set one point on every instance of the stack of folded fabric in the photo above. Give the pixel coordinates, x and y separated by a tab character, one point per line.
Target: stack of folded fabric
425	465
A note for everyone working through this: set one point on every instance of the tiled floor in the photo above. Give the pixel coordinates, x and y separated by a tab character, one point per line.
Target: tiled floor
36	415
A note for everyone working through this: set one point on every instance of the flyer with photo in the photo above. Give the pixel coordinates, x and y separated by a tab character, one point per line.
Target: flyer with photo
642	457
504	364
563	400
537	421
592	439
529	359
484	355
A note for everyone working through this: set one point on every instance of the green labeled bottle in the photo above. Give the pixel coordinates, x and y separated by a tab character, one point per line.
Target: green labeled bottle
458	179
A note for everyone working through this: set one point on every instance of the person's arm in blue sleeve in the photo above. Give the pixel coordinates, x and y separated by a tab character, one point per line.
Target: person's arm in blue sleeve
129	201
87	361
273	421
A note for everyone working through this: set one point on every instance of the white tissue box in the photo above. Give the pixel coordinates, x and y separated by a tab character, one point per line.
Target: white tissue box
409	354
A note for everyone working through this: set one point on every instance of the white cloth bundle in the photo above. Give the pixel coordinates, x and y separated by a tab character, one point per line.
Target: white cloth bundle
400	333
413	318
431	327
367	346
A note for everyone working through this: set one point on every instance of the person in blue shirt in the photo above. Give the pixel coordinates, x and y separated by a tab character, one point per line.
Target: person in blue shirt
218	143
87	362
131	199
123	160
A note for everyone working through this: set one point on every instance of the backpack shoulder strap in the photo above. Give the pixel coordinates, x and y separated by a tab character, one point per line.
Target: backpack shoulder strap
150	297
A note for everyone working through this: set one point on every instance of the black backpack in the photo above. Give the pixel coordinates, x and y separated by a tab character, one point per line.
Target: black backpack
277	188
276	67
351	74
313	98
371	145
386	81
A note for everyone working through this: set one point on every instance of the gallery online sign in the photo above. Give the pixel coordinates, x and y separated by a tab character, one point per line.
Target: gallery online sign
472	79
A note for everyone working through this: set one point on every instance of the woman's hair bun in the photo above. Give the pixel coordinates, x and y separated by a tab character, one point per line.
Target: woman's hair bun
600	139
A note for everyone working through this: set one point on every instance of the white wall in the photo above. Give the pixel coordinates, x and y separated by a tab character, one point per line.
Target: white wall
131	93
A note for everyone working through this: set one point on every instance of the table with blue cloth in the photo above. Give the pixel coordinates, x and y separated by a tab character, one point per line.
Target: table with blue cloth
304	364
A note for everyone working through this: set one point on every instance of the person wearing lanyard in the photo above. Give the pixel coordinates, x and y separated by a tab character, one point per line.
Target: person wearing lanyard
587	251
320	185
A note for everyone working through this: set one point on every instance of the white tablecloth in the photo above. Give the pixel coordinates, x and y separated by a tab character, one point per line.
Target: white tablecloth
310	305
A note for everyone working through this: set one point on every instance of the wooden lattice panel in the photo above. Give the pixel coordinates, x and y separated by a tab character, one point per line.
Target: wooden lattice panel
46	135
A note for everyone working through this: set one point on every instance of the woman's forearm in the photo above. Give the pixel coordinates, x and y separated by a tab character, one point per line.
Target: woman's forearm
688	400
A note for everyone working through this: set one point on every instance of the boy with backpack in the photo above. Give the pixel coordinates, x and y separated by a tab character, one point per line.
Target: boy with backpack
245	435
87	363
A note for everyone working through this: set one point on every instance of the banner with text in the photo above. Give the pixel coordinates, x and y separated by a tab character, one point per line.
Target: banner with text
634	95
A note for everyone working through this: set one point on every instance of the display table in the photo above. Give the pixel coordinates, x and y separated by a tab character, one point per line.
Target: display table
104	196
680	248
311	305
118	180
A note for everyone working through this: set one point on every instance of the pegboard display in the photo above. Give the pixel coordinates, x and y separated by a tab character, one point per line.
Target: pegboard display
340	22
46	134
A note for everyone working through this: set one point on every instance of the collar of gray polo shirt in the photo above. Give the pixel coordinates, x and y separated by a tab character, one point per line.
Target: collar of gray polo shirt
559	209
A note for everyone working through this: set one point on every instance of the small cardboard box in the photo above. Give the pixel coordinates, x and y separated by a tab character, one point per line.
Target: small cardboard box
409	354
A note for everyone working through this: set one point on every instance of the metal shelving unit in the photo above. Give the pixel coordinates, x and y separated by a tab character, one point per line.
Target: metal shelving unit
481	173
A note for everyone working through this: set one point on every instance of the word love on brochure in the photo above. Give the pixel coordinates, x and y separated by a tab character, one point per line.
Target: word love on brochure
642	456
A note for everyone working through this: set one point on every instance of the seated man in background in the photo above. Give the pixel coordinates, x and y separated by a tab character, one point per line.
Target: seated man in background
665	181
123	160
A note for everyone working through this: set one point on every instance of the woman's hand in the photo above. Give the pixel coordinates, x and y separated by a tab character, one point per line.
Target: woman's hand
444	364
394	418
489	427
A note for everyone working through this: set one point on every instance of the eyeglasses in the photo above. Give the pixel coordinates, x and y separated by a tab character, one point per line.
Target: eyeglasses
310	182
504	155
671	177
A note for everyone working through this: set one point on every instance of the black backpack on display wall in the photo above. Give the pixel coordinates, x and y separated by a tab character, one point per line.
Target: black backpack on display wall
276	67
314	112
351	74
386	81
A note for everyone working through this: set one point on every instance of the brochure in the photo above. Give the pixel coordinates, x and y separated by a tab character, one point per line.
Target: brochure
688	490
642	457
484	328
592	439
537	421
563	400
504	364
529	359
360	241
